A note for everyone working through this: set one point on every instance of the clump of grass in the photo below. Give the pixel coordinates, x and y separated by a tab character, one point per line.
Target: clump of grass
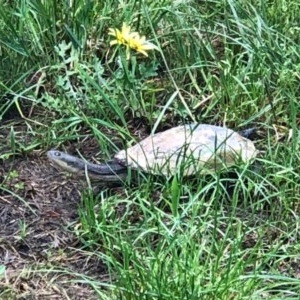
190	241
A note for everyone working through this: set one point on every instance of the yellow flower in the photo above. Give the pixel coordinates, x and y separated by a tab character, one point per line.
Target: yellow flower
121	36
131	40
139	44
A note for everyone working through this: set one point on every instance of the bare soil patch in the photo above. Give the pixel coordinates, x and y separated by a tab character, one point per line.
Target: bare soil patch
37	249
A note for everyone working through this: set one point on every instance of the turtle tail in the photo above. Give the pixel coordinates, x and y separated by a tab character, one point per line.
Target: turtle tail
247	133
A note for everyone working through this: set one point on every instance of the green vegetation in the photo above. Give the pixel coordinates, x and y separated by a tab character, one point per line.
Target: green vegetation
235	63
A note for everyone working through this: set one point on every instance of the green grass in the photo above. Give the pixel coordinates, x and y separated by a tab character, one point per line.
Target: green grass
212	237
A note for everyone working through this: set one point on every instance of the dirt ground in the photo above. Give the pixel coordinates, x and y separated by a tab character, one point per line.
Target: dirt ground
37	205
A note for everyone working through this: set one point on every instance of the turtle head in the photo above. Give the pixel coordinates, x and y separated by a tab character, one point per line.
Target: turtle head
65	161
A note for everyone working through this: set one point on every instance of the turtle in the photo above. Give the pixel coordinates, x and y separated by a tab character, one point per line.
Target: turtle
189	149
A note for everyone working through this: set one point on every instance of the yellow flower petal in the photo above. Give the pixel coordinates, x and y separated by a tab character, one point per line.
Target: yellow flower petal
132	40
114	42
149	46
142	51
125	29
114	32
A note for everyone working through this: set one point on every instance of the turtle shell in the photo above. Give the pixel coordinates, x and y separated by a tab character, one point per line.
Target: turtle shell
188	149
